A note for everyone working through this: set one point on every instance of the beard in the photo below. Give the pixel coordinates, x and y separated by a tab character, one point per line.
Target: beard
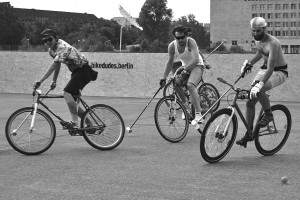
259	37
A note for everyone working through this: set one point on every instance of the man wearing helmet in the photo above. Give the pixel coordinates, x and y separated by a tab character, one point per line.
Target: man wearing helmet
271	74
82	73
186	50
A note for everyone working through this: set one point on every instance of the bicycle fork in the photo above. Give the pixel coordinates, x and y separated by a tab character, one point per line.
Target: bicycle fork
227	123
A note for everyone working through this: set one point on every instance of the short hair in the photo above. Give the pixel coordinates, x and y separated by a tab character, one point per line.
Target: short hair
258	22
180	29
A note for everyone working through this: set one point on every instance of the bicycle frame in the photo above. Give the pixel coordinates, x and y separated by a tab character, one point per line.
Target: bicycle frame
234	107
40	98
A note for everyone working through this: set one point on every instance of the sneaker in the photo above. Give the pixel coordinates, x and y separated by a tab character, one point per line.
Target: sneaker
69	125
265	120
199	119
243	141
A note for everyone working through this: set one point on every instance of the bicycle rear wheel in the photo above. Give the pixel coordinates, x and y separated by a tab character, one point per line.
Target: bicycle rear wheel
19	136
272	137
168	119
212	94
108	127
214	143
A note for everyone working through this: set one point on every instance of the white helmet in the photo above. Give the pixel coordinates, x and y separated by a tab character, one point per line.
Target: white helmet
258	22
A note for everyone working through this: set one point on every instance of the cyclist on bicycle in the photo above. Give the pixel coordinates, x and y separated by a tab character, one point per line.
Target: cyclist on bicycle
271	74
186	50
82	73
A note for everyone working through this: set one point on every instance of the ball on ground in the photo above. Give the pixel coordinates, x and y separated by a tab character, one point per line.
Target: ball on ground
128	129
284	180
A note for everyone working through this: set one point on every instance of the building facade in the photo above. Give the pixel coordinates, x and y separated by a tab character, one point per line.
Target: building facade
230	20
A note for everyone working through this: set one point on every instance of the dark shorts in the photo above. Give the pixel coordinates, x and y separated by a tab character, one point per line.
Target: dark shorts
79	79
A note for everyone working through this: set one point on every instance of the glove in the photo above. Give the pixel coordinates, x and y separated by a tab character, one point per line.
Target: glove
53	85
36	85
255	89
206	64
246	68
162	82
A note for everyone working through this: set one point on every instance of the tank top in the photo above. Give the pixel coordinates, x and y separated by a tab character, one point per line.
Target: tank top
186	57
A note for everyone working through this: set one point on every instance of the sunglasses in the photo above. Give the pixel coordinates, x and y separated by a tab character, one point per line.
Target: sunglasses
180	37
50	39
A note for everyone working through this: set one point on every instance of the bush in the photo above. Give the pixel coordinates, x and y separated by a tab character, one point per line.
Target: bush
236	49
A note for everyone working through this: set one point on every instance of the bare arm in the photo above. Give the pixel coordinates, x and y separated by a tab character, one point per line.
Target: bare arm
256	58
56	71
54	66
170	62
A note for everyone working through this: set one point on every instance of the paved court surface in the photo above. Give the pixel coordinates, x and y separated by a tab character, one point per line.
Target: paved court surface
144	166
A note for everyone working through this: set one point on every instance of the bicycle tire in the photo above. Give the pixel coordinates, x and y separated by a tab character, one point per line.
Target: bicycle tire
211	134
212	94
110	128
171	128
204	105
278	130
23	141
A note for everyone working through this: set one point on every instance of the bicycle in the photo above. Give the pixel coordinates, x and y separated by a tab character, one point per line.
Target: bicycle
221	129
208	89
31	131
167	111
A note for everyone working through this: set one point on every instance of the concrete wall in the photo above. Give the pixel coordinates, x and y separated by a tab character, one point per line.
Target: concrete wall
132	74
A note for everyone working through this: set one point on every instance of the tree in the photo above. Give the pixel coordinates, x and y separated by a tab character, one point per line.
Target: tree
201	36
155	18
12	30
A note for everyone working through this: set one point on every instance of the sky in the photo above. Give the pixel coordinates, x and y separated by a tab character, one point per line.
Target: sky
109	9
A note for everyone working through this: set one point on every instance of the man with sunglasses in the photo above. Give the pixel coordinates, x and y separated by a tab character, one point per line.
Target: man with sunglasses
82	73
271	74
186	49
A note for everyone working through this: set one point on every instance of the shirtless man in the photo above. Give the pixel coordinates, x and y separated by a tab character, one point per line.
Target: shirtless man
186	50
271	74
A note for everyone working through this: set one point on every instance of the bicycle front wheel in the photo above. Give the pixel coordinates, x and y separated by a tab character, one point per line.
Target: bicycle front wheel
216	140
212	94
272	137
107	127
169	121
26	141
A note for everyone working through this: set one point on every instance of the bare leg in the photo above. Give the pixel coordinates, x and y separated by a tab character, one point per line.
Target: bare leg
194	96
72	106
250	111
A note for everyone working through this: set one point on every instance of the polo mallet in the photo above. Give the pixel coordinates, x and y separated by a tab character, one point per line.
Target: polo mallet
129	129
223	41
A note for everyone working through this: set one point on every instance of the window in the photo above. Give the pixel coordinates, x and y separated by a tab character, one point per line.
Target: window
285	48
270	32
277	7
254	15
254	7
263	15
277	15
270	24
277	33
277	24
234	42
293	24
270	15
293	6
293	15
285	15
293	33
295	48
285	24
262	6
285	33
285	6
270	7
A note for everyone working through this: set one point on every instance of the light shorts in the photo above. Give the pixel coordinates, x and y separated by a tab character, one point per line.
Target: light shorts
275	79
196	75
